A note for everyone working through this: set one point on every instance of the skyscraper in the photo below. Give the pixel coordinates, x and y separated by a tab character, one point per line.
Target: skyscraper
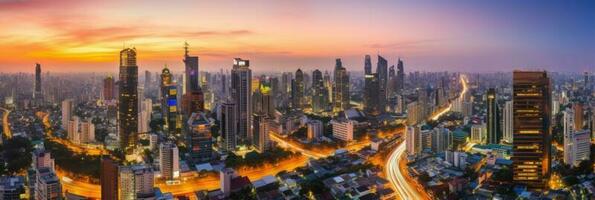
66	113
400	77
229	125
109	178
193	100
341	87
382	73
108	88
241	85
367	65
261	132
37	90
372	94
319	92
507	122
297	90
531	157
199	139
169	102
128	99
493	121
169	161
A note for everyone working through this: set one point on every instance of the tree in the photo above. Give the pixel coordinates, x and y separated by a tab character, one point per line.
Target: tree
16	152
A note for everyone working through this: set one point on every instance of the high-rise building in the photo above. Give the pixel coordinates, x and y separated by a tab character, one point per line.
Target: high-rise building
229	125
128	99
507	122
577	147
367	65
261	132
382	73
48	185
226	175
109	178
578	115
67	108
392	82
493	121
42	158
108	88
193	100
372	94
400	77
241	85
315	130
531	156
148	83
73	131
319	92
297	90
340	88
169	102
200	139
342	129
478	134
169	161
135	182
413	140
441	139
37	88
87	129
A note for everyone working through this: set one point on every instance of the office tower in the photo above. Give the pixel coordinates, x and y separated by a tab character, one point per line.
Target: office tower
392	82
459	139
328	84
226	175
400	77
531	157
578	115
297	90
193	100
37	83
507	122
73	131
229	125
148	83
577	147
66	112
48	185
413	140
109	178
478	134
144	118
426	139
372	94
108	88
200	139
169	161
169	102
87	134
135	182
42	158
441	139
319	92
128	99
260	133
493	122
382	73
340	87
286	78
342	129
263	101
367	65
241	84
315	130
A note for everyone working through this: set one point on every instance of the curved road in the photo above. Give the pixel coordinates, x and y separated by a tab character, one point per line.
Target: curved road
396	171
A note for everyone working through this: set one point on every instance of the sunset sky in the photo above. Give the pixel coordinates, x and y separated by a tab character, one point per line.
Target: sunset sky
475	36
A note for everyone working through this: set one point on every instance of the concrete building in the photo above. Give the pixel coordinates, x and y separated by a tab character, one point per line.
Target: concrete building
479	134
67	108
413	140
136	182
169	161
507	122
48	185
343	129
577	147
315	129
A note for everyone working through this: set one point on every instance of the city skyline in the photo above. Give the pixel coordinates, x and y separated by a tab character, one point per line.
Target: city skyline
429	36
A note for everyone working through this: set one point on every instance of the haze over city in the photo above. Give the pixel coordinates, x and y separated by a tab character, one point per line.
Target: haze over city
85	36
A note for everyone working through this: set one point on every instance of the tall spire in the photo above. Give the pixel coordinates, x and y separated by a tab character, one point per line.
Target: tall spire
186	45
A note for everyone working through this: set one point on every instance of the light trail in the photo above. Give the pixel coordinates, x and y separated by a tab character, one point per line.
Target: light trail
296	148
5	124
395	169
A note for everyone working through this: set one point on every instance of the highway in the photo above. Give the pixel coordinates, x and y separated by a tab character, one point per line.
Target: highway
396	170
5	124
